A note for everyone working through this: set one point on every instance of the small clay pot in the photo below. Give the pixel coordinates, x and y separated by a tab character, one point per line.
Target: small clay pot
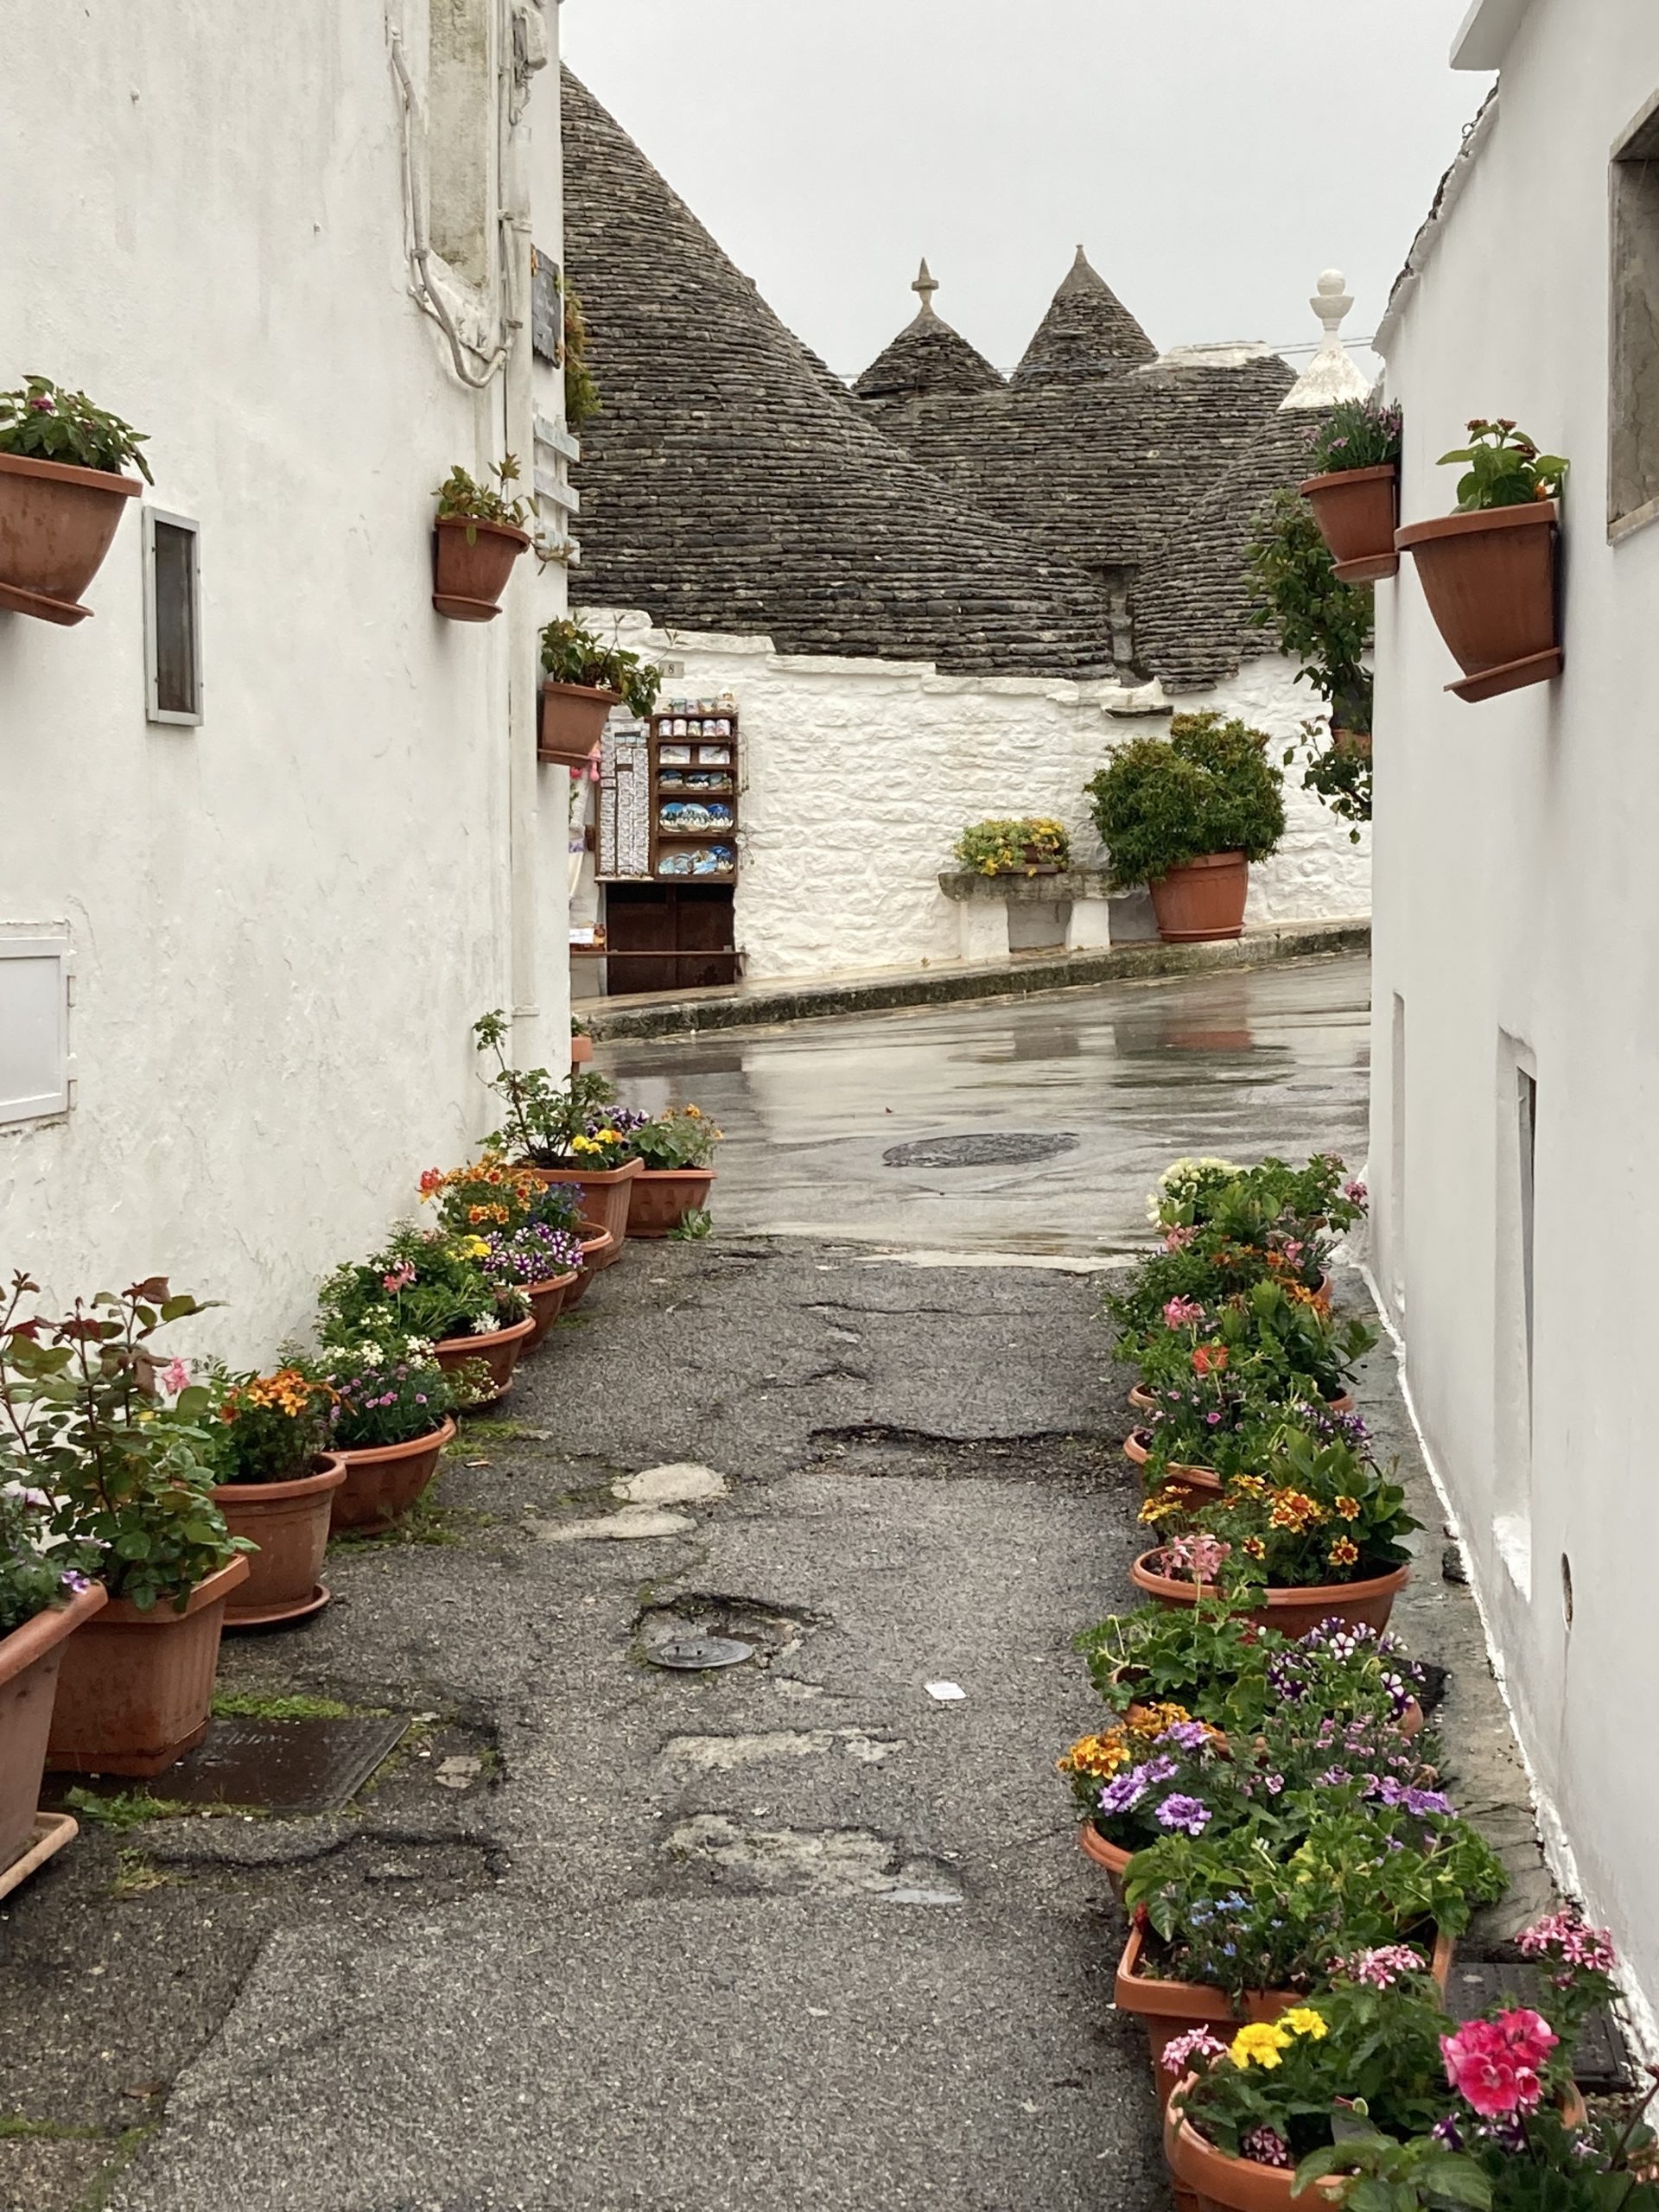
661	1197
573	722
1209	2181
136	1689
1356	510
606	1197
56	525
1490	580
1095	1847
581	1051
546	1304
1196	1485
289	1522
598	1248
1202	901
471	563
1367	1603
29	1659
383	1480
499	1348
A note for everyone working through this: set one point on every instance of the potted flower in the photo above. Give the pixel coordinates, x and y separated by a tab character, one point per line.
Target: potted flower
276	1483
1318	1533
394	1410
599	1248
122	1449
1029	845
676	1149
1489	571
582	1042
529	1225
44	1598
569	1132
1354	492
430	1284
63	491
583	680
478	536
1186	816
1225	1423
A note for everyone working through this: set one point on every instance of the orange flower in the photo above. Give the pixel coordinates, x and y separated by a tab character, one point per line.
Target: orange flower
1348	1508
1210	1360
1343	1552
1255	1547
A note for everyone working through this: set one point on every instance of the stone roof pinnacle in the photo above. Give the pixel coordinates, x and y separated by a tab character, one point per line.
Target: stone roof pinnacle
1331	375
925	287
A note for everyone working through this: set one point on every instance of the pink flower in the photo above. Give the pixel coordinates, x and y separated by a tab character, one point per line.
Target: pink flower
1355	1192
1494	2064
42	404
175	1376
1293	1250
1180	2050
1198	1557
1181	1311
399	1279
1177	1240
1566	1938
1265	2146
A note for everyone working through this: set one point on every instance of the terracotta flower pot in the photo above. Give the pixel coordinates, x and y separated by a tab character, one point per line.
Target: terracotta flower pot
29	1659
289	1522
581	1051
661	1197
56	524
471	563
383	1480
573	722
607	1198
598	1248
1356	510
1202	900
1490	581
1095	1847
1197	1486
1293	1612
134	1690
1208	2180
499	1350
546	1304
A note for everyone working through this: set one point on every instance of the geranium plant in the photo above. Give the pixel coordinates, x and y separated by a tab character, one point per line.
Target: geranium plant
269	1427
84	1422
1018	847
428	1284
683	1137
1208	788
44	421
572	654
1267	1205
1503	468
1358	434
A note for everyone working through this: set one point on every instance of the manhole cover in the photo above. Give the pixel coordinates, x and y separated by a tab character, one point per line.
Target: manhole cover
994	1148
689	1654
281	1766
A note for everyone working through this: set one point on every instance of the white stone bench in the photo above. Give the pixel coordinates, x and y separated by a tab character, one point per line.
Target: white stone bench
998	916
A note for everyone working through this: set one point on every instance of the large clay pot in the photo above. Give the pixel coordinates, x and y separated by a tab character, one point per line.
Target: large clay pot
471	563
1490	581
1195	1485
1293	1612
56	524
134	1690
1202	900
581	1050
1207	2180
546	1304
607	1198
289	1522
382	1480
660	1198
598	1248
1111	1856
499	1350
29	1659
1356	510
573	722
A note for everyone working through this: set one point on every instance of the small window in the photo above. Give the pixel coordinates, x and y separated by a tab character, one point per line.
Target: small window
1633	443
34	1067
172	617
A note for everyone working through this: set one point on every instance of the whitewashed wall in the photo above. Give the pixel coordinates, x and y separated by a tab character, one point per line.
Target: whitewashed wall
861	773
1518	914
286	919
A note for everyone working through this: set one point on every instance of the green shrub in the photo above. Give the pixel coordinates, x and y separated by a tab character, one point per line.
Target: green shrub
1209	788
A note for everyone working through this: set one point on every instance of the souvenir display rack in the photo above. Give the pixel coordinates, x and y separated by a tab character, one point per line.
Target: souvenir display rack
694	792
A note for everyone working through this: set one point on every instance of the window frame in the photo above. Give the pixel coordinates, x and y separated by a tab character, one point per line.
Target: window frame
45	1106
1625	152
154	711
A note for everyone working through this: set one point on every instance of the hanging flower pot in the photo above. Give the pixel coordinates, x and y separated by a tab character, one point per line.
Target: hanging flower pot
1201	901
56	525
573	722
1490	579
136	1689
581	1050
1356	510
471	563
29	1659
290	1522
1367	1603
383	1480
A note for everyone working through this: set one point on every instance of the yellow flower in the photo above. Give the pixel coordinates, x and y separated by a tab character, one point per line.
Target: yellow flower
1348	1507
609	1136
1159	1506
1259	2044
476	1249
1303	2020
584	1144
1098	1756
1343	1553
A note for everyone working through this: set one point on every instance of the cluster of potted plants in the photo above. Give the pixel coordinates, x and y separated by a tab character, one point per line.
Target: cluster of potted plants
1264	1794
1029	845
1185	816
1489	571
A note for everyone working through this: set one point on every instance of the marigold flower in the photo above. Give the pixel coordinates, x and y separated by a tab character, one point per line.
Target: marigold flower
1348	1508
1343	1552
1303	2020
1258	2044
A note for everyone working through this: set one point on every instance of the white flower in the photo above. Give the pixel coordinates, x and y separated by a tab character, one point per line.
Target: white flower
418	1347
485	1325
371	1355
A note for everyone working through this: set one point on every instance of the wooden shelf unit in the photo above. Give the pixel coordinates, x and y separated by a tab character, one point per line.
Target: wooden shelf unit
699	735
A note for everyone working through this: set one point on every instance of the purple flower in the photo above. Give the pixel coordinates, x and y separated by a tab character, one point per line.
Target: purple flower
1162	1769
1427	1804
1184	1813
1188	1735
1124	1793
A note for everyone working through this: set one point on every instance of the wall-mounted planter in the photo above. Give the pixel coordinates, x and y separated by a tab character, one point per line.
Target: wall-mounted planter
1356	510
1202	900
471	563
56	524
573	722
1490	580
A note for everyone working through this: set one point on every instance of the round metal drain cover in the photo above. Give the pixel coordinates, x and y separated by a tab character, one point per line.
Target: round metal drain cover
689	1654
994	1148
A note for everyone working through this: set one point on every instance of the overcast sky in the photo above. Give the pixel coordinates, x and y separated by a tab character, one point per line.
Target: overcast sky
1213	156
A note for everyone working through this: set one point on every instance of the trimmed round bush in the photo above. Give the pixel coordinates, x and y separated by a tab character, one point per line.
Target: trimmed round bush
1209	787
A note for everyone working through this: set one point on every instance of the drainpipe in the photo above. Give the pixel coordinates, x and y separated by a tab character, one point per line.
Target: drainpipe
519	430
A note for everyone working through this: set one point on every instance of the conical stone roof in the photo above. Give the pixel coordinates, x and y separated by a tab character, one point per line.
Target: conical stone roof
729	484
927	356
1088	331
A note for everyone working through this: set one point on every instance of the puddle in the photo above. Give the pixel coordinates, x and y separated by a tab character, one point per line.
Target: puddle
815	1862
723	1754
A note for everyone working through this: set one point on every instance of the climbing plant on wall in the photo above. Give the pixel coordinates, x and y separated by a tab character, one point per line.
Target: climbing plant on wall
1326	626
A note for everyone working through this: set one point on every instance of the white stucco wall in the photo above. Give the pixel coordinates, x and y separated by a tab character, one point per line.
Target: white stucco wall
286	919
861	774
1517	919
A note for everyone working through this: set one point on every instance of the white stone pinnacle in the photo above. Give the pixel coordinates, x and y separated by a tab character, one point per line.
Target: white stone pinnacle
1331	375
925	285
